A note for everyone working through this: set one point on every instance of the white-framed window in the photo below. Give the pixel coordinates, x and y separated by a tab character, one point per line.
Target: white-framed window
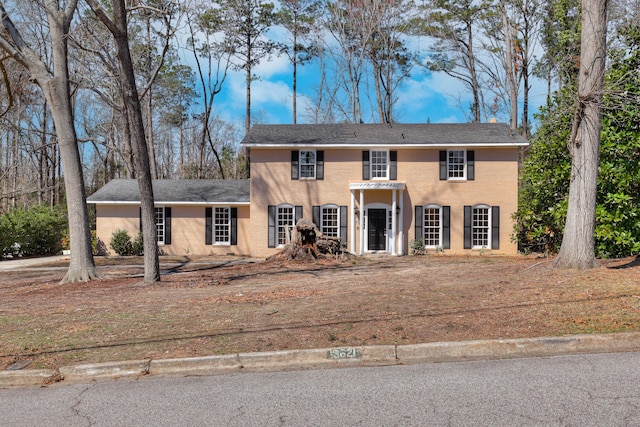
330	220
222	226
481	227
160	224
456	164
285	217
307	163
432	226
379	164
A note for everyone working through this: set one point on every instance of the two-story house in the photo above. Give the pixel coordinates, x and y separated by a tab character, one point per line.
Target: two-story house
453	186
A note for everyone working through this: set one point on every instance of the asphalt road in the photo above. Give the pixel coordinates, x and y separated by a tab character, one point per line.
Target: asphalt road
583	390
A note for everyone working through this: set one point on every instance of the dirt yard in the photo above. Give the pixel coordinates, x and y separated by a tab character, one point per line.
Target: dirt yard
219	305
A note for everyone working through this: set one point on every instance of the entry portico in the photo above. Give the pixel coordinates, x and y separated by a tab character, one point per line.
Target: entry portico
380	219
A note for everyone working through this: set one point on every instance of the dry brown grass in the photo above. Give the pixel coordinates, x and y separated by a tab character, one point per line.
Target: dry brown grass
217	306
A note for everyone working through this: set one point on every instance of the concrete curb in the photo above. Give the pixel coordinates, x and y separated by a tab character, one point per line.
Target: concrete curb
330	358
28	377
106	370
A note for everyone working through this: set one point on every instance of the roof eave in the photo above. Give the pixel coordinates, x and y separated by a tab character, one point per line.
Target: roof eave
369	145
163	202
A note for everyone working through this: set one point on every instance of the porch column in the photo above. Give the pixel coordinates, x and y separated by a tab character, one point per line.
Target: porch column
352	222
401	225
394	221
362	222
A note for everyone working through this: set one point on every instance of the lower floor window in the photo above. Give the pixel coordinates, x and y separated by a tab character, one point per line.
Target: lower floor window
285	223
432	226
330	225
160	226
222	226
481	227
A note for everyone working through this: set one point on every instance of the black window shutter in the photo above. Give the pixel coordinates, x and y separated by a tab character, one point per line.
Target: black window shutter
495	227
365	165
234	226
343	225
419	219
298	214
471	165
467	227
393	165
316	216
208	228
167	226
443	165
295	156
446	227
319	164
140	219
271	210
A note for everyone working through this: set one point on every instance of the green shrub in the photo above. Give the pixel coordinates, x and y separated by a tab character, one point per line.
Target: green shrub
137	247
121	243
417	247
32	232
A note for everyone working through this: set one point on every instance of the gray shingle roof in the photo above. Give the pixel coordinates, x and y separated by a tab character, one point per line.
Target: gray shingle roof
351	135
166	191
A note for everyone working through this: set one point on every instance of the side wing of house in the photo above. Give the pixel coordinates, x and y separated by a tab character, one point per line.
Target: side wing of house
383	191
193	217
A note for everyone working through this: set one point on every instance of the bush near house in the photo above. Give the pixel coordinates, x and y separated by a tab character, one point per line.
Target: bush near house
32	232
123	245
546	173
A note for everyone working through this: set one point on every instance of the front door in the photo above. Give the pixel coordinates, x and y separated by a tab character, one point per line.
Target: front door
377	225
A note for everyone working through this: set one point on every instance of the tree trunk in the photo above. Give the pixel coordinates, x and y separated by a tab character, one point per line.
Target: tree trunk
56	90
131	101
295	77
577	250
141	153
510	62
475	85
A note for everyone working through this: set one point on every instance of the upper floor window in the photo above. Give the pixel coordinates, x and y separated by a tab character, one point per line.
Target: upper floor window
379	164
307	164
457	165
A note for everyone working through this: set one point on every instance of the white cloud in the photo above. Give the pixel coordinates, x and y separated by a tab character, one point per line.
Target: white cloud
274	66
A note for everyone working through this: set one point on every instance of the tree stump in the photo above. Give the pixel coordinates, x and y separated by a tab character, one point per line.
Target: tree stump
308	243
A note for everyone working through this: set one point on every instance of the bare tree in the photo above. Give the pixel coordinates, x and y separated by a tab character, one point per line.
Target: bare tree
245	24
118	28
453	23
512	29
298	17
212	65
390	58
577	250
56	89
351	24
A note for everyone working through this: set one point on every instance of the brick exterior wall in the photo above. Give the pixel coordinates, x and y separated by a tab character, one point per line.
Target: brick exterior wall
495	184
187	229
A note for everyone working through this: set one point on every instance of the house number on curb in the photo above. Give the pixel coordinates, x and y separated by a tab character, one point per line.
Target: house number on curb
344	353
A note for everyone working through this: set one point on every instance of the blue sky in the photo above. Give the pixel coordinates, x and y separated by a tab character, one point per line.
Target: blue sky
435	97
